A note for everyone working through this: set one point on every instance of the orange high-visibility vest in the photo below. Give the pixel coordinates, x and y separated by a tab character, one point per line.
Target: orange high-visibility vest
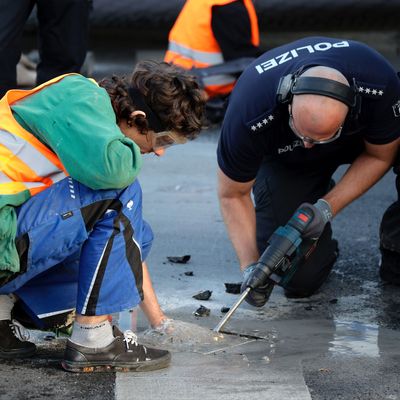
25	162
191	42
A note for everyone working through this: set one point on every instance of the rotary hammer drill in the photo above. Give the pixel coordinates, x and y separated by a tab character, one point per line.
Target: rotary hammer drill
280	259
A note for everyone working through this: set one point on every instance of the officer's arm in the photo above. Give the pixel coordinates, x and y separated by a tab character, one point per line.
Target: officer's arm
239	216
363	173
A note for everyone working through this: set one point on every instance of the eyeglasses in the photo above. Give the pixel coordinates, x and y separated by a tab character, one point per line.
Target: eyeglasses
166	139
311	140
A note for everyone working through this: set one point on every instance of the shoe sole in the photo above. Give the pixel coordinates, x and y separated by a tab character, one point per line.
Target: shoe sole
143	366
17	354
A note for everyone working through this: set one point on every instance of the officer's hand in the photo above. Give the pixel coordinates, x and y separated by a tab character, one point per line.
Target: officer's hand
322	214
256	297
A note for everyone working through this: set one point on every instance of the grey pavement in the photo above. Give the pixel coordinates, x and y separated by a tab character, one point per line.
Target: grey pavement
181	205
341	335
341	343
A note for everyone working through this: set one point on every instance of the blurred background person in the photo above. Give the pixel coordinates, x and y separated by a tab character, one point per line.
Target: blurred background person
212	32
62	37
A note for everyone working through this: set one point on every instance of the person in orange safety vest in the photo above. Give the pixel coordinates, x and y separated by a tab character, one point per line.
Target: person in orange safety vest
211	32
73	241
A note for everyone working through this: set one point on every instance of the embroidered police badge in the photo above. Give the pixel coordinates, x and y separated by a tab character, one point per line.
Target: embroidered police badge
396	109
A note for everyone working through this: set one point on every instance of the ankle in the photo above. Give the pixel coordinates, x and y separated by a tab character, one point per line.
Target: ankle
91	320
6	305
95	335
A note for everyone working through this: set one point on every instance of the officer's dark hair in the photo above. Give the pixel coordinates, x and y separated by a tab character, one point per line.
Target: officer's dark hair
169	91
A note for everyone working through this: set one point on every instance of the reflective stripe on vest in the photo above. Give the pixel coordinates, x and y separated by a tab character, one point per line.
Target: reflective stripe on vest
16	153
196	56
25	162
218	80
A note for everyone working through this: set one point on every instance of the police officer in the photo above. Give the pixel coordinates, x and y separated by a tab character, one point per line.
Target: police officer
296	114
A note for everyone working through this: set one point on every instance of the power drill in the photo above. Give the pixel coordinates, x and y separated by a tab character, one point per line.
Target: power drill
280	259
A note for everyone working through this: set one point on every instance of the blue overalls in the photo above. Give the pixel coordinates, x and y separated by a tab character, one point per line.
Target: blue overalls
80	248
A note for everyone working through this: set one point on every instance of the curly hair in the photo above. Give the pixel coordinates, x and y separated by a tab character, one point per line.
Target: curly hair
173	95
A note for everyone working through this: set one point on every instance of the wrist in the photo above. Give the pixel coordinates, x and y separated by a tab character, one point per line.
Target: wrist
248	270
325	209
159	322
163	325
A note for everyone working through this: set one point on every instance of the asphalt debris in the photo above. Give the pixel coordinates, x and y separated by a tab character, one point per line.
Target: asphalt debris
179	259
205	295
233	288
188	273
333	301
224	310
202	312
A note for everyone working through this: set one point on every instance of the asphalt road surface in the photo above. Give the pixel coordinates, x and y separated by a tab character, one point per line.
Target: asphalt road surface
341	343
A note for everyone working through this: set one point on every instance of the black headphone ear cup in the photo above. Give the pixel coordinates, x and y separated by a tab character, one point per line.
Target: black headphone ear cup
284	91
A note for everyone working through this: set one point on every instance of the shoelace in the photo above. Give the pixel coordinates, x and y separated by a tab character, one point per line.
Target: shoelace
19	331
130	338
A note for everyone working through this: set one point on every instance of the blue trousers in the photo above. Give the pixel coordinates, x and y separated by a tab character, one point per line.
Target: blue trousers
81	248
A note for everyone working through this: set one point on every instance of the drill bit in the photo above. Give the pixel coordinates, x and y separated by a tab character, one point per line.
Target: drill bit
224	320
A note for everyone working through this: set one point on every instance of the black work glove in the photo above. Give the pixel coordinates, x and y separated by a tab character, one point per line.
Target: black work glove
259	296
322	214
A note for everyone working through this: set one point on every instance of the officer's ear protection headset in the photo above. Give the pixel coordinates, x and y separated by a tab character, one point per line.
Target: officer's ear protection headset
292	84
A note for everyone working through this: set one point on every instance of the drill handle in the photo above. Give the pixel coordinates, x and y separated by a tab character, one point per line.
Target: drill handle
301	219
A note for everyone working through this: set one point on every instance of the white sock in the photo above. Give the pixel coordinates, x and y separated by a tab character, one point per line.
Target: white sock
6	305
92	335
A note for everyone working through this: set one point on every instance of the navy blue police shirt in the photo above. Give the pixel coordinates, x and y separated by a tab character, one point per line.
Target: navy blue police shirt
256	125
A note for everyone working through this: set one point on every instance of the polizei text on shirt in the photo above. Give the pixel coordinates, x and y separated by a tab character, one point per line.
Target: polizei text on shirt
294	53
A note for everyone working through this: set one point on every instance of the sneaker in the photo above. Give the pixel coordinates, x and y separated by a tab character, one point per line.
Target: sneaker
13	343
123	354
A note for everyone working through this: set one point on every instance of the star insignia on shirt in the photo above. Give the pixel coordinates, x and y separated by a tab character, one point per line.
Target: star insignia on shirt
370	91
257	125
